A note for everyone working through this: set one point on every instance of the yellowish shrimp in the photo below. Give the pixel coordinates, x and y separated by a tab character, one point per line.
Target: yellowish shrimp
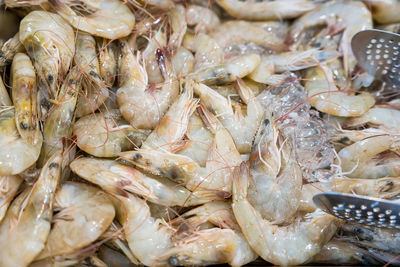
229	71
107	134
108	60
387	118
293	244
204	19
9	49
50	42
289	61
214	179
386	188
182	62
357	161
118	179
134	97
161	4
16	155
384	11
111	19
173	125
4	97
237	31
24	95
25	228
353	15
326	97
95	89
145	233
266	10
178	26
83	214
60	118
242	128
9	185
207	52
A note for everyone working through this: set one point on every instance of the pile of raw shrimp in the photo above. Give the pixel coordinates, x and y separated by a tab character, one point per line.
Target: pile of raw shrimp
181	133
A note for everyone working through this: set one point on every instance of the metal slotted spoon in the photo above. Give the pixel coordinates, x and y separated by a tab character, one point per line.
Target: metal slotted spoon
378	53
360	209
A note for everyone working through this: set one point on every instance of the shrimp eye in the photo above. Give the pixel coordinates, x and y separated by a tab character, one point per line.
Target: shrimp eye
50	78
173	261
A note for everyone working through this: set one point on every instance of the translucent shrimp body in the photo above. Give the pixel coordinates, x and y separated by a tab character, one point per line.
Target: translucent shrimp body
281	245
25	228
266	10
354	15
50	42
8	189
111	19
16	155
326	97
84	213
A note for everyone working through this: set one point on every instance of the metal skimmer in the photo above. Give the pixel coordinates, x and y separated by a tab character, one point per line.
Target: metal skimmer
378	53
360	209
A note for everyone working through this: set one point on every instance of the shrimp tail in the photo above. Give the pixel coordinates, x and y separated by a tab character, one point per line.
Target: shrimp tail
241	178
208	118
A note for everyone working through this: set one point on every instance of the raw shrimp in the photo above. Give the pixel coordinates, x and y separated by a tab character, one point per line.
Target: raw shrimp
95	89
210	246
388	118
24	95
207	52
119	179
343	253
60	118
266	10
293	244
161	4
25	228
198	140
9	49
107	134
178	26
50	42
204	19
152	54
242	31
353	15
242	128
134	97
275	188
372	237
144	232
289	61
357	161
173	125
326	97
386	188
83	214
16	155
227	72
4	97
215	179
182	62
108	60
9	185
111	19
384	11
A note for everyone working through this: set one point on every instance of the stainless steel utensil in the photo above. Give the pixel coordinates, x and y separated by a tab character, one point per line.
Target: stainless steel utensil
378	53
360	209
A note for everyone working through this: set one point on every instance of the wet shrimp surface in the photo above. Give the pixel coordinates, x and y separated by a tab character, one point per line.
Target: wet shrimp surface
192	133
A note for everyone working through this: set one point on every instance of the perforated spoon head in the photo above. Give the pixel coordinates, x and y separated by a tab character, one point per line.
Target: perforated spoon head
378	53
360	209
